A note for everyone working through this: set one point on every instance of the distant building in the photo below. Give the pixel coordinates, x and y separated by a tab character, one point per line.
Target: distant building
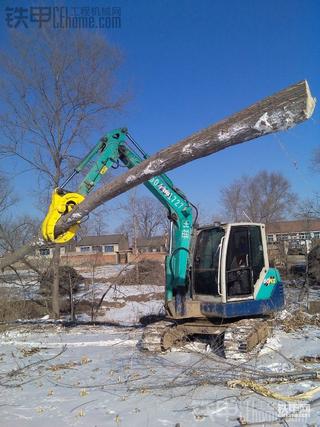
152	244
296	233
290	241
111	246
109	243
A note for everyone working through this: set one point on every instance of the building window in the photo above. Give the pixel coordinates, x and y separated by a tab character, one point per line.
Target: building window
109	248
284	237
270	238
97	248
306	236
84	249
44	251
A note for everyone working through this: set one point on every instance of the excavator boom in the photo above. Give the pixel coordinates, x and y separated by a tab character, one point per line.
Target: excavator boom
107	153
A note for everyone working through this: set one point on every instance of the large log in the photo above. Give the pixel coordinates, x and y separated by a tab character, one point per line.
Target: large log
280	111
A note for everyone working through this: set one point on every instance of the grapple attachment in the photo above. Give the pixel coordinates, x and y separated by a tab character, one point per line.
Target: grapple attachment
61	204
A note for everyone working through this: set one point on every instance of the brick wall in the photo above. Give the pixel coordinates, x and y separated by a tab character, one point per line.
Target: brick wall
89	259
152	256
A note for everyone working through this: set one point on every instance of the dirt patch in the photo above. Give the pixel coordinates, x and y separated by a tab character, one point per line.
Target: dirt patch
88	280
314	266
143	273
298	320
86	306
146	297
26	352
20	309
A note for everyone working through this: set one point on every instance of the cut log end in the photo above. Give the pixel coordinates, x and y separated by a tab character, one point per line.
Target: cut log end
310	101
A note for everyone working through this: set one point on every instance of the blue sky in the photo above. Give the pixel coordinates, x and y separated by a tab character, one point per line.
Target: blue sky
191	63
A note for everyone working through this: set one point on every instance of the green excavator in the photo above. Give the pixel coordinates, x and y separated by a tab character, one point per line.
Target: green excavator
218	278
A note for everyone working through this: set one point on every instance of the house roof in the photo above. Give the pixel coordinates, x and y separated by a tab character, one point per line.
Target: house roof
106	239
296	226
155	241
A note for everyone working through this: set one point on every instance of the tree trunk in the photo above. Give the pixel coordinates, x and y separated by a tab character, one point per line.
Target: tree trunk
55	283
275	113
72	305
278	112
92	293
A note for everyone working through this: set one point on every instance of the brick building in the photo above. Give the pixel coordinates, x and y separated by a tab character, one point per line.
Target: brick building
290	241
296	233
153	244
104	249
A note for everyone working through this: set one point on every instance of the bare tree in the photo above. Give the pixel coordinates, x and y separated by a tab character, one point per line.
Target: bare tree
56	86
265	197
144	217
96	224
16	232
12	232
7	196
310	207
316	159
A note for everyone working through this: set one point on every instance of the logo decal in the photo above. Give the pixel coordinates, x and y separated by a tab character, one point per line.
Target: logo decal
269	281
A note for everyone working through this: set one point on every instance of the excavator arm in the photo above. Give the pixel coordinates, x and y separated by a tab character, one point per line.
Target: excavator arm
113	148
180	214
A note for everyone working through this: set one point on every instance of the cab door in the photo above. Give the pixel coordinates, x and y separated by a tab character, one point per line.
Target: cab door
206	263
244	261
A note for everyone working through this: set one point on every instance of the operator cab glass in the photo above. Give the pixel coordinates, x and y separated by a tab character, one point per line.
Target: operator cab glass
245	260
206	261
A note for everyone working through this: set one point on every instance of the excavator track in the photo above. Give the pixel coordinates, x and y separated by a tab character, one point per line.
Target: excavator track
240	337
152	337
244	336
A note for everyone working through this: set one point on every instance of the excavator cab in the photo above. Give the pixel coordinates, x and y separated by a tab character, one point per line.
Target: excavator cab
230	290
228	261
230	273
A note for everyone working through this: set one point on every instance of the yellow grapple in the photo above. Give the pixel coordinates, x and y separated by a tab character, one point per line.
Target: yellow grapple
60	205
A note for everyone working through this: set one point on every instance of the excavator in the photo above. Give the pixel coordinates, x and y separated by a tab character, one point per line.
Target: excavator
218	278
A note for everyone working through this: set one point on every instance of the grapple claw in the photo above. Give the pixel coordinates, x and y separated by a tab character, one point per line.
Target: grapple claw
61	204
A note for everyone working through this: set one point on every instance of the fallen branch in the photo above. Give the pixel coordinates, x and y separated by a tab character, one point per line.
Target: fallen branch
264	391
278	112
310	359
7	377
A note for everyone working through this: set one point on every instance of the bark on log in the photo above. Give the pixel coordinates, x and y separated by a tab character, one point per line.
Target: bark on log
278	112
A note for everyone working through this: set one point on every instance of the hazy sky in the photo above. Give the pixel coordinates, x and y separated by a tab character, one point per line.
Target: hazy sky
190	63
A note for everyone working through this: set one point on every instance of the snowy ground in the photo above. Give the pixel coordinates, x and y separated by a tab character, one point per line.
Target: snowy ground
125	304
96	376
51	375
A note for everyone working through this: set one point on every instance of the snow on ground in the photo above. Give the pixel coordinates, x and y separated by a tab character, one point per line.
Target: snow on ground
24	284
95	375
119	292
105	271
126	304
132	311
